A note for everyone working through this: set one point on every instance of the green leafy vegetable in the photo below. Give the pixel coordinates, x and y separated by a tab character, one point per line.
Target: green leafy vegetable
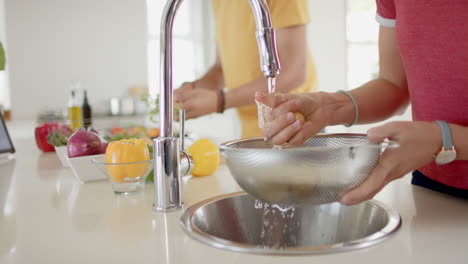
152	103
2	58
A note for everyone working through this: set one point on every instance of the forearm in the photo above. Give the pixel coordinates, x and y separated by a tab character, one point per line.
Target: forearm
213	79
380	98
285	82
377	100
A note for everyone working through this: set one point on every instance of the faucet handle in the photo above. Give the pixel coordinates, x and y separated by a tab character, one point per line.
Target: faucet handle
182	129
186	161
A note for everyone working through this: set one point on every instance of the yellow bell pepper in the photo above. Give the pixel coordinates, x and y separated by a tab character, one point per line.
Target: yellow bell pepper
127	151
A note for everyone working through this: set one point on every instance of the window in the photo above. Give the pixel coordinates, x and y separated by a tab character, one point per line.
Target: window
191	41
193	53
362	32
361	37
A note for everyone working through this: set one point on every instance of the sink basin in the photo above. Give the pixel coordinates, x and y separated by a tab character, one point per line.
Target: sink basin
240	223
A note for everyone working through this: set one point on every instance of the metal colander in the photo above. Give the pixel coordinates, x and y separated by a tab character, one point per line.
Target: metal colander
318	172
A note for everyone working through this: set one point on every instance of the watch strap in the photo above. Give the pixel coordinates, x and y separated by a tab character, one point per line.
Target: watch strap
446	134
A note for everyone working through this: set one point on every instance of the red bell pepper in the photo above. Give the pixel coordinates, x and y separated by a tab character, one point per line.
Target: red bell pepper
41	133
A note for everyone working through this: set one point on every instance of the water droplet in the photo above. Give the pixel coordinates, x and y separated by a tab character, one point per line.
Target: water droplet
258	204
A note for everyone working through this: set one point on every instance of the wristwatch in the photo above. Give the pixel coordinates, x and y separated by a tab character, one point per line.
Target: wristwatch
447	154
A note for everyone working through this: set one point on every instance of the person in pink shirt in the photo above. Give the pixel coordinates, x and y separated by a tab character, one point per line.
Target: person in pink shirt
423	59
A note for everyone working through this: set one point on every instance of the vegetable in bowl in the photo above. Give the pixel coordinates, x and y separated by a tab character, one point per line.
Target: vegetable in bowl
59	137
84	143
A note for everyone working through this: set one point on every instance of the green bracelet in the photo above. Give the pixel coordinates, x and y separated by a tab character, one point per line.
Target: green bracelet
356	108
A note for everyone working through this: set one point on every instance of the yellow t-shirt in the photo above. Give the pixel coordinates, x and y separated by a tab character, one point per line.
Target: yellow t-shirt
238	51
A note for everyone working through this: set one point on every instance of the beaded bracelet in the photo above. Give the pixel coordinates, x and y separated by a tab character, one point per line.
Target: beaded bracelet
356	108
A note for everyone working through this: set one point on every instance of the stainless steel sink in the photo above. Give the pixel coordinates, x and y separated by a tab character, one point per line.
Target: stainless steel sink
240	223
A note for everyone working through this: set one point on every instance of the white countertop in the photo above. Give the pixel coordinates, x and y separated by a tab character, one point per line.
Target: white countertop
46	216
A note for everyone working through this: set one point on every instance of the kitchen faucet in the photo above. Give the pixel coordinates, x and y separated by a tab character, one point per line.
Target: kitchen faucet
168	154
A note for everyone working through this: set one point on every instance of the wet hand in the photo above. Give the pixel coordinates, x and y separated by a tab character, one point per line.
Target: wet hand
282	123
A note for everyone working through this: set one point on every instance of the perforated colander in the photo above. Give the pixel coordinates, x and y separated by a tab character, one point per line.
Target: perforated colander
318	172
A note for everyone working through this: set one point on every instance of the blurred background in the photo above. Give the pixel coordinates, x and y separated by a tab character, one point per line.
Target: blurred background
111	49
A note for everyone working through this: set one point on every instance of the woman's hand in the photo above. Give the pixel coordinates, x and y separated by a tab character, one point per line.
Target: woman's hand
281	125
418	141
196	102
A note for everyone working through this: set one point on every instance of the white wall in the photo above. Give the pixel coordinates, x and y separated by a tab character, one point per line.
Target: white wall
327	39
4	92
102	43
2	22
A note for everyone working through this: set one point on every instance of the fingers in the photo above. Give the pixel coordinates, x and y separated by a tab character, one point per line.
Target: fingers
272	100
286	133
191	105
184	97
191	110
282	105
373	184
180	94
290	130
415	150
265	99
306	132
387	170
379	133
272	129
198	102
287	106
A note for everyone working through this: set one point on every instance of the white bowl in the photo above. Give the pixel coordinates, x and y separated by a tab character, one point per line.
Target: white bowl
85	170
62	153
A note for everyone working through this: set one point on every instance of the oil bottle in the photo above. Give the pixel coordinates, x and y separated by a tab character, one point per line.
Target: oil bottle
86	109
75	119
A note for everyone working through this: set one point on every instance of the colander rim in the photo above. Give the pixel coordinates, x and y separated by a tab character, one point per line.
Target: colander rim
228	145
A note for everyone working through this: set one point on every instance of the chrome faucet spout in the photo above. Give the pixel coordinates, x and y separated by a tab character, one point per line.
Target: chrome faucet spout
166	89
167	148
266	39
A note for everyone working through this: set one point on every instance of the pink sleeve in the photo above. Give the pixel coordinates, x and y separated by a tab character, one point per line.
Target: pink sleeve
386	9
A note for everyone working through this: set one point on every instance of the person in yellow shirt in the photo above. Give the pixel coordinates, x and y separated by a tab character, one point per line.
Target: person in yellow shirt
237	62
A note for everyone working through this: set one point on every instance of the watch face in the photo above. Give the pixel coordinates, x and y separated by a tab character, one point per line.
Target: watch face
445	156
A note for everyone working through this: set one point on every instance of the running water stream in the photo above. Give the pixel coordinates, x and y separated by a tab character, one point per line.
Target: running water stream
264	109
271	84
278	226
276	217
